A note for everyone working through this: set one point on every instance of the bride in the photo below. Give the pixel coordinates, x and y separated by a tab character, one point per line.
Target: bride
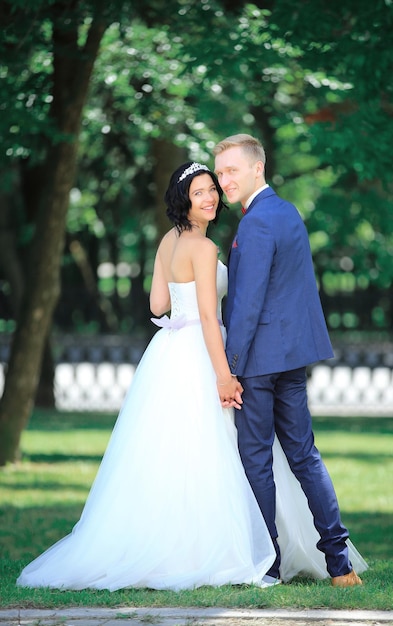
171	507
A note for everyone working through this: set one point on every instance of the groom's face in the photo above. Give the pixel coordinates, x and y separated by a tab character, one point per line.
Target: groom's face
238	175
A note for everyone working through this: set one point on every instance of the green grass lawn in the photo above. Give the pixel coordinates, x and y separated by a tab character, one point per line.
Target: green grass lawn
42	497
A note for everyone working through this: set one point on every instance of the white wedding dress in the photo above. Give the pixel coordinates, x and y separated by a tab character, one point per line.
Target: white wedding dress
171	507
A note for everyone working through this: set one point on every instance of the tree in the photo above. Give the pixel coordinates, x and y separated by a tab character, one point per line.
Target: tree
72	67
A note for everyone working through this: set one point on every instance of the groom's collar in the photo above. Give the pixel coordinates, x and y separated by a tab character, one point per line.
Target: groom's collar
254	195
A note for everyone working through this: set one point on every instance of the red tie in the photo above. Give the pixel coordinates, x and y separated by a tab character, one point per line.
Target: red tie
244	210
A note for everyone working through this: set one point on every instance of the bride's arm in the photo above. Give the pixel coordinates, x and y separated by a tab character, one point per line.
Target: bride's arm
204	260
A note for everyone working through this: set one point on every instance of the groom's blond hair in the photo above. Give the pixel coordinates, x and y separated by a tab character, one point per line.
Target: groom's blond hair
251	146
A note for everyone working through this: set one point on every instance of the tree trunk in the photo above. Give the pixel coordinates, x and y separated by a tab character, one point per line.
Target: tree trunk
71	77
9	259
14	273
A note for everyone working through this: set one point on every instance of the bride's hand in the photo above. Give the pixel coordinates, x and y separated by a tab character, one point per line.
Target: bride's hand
230	393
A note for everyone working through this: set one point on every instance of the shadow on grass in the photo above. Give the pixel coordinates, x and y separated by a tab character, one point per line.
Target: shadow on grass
370	457
62	458
51	419
45	485
372	425
367	457
54	458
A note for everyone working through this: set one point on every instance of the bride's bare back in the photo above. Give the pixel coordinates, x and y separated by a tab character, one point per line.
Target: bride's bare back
180	258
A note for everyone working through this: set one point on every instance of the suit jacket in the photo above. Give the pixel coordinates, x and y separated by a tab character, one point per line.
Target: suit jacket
274	317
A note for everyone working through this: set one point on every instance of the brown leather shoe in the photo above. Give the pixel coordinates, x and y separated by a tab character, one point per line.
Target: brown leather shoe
348	580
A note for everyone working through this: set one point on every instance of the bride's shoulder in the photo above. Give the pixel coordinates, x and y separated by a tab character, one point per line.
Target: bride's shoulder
204	247
168	241
171	236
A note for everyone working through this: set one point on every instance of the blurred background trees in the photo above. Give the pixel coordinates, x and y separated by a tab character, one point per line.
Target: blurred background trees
87	154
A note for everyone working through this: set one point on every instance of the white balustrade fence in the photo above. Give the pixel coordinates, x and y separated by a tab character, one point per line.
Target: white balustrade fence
342	390
93	373
339	390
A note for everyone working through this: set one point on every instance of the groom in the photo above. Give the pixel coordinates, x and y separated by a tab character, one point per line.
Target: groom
276	328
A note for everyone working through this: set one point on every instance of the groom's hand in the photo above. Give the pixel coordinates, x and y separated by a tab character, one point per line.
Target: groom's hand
236	402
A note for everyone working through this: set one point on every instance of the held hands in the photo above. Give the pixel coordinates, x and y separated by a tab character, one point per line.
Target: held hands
230	392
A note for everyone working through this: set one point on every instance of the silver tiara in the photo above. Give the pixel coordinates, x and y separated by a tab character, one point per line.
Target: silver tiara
194	167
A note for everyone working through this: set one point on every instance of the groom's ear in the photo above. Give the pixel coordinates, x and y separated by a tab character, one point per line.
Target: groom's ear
260	168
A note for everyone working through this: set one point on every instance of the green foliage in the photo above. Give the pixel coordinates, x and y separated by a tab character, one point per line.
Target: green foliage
310	79
25	77
351	41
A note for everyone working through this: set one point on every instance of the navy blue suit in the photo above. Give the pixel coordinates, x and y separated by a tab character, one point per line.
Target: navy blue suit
276	327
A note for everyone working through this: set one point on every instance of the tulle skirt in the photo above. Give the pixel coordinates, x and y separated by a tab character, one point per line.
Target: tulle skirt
171	507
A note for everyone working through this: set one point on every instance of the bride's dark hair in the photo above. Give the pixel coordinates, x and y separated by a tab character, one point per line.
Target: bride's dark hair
177	198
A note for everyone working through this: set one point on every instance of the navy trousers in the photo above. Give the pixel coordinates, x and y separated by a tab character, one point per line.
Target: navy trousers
277	403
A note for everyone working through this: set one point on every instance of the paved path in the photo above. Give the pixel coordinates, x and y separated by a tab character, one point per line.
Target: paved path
192	617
